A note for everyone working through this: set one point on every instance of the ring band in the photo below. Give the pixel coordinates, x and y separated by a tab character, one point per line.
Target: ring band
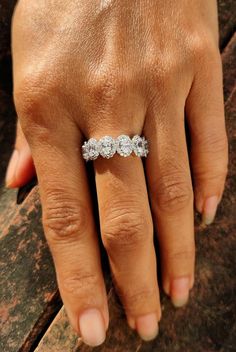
107	147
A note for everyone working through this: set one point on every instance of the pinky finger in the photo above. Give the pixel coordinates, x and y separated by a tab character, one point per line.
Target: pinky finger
209	151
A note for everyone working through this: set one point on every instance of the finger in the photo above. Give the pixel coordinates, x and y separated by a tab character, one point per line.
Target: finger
209	154
21	167
69	227
127	234
170	191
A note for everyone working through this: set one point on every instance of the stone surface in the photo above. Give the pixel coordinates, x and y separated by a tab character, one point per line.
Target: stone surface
228	58
29	299
28	289
227	20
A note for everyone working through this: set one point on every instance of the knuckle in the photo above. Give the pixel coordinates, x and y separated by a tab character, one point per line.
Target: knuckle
33	93
203	45
79	283
173	193
211	176
214	147
215	143
106	85
173	64
124	229
134	299
177	255
167	71
64	219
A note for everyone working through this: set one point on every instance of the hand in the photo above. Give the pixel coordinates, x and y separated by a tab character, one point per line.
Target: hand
93	68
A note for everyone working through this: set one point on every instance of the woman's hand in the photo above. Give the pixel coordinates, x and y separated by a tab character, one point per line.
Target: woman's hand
92	68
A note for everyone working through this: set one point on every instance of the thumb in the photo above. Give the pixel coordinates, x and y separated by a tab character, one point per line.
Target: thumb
21	167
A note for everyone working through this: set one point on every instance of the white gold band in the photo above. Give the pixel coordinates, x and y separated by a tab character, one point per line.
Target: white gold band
107	146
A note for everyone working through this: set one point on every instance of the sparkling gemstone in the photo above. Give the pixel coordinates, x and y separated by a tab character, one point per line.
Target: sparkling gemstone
90	149
124	145
140	146
107	147
145	147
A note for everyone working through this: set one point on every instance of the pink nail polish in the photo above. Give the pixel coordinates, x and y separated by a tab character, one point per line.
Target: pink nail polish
209	209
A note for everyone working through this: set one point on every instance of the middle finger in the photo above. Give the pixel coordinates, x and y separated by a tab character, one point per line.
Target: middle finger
171	196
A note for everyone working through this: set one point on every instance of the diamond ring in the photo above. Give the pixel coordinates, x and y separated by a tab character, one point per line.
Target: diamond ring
107	147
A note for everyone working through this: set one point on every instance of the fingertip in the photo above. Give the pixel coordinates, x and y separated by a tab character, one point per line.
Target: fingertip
11	169
166	286
92	327
147	326
131	322
20	168
198	203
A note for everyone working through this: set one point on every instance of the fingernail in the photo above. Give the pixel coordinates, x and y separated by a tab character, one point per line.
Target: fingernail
11	169
147	326
180	291
209	210
92	327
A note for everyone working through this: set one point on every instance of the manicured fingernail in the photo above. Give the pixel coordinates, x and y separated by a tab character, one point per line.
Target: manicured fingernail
180	291
147	326
209	210
92	327
11	170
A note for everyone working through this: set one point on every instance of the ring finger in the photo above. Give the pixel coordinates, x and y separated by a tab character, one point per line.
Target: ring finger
127	234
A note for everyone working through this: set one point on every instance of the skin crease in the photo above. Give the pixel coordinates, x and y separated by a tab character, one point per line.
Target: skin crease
92	68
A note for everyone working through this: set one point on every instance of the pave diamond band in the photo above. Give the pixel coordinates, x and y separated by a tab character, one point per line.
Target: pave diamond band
108	146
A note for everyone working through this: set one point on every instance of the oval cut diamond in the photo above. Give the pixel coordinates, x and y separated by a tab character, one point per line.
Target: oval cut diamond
145	147
90	149
137	145
124	145
140	146
107	147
